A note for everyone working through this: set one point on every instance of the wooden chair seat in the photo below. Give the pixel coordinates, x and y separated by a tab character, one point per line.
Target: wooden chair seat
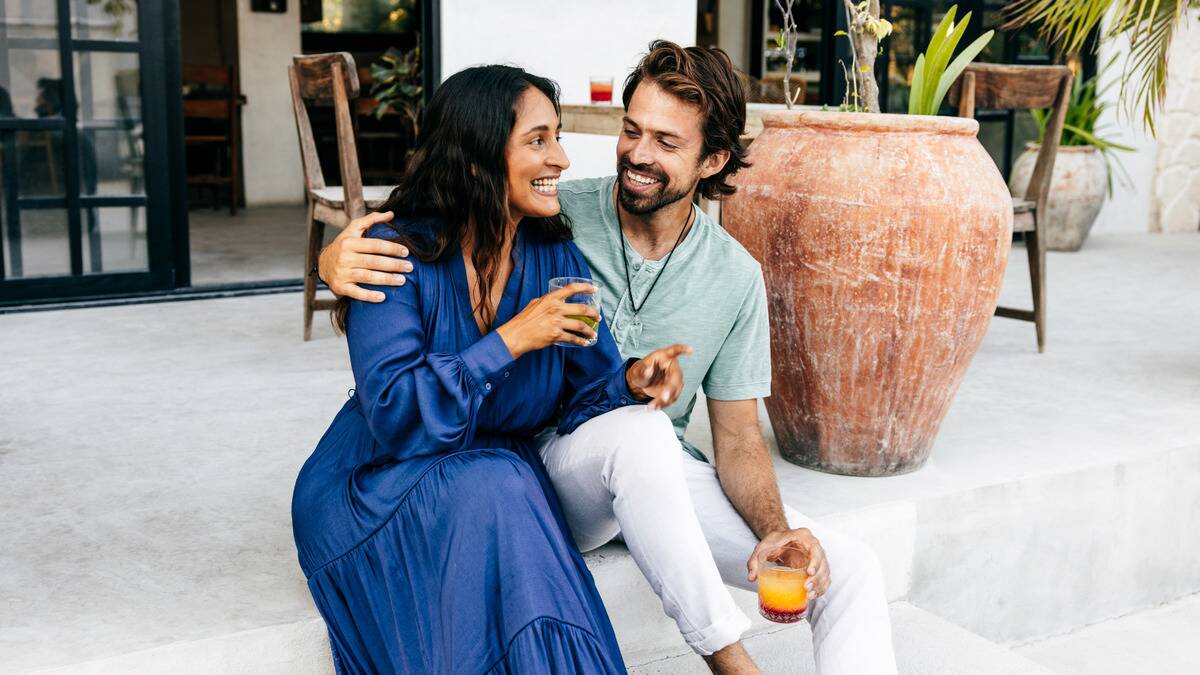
1023	211
334	196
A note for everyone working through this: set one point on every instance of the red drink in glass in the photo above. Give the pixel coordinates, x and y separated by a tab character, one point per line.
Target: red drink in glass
602	89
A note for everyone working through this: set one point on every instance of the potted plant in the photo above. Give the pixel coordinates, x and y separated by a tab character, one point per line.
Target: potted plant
396	86
883	240
1082	170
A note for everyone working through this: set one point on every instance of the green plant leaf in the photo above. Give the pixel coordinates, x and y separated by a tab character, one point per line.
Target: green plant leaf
937	66
956	67
928	75
918	83
1098	143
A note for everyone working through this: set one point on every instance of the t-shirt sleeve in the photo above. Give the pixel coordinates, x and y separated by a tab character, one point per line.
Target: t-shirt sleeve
742	367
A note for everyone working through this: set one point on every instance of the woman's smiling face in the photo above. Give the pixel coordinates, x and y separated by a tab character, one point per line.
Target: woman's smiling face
535	158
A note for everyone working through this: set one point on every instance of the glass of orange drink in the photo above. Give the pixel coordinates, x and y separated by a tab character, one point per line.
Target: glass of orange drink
601	89
782	597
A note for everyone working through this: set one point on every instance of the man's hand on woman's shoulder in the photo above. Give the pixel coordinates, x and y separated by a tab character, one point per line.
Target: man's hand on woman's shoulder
352	259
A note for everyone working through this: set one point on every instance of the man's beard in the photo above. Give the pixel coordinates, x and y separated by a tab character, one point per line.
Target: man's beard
641	204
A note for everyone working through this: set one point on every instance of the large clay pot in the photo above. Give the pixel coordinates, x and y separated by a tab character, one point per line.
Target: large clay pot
1077	189
883	240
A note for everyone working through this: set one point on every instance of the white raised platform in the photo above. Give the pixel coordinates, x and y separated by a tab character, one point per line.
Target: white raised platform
147	456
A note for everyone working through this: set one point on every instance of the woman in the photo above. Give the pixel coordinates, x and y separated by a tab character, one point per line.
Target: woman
425	522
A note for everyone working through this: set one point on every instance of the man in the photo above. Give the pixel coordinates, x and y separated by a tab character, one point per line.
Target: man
668	273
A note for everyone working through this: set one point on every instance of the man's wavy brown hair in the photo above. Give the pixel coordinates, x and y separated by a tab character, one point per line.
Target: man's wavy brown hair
706	78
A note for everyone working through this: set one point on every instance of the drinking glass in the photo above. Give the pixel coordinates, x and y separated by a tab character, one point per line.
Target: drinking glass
782	597
586	298
602	89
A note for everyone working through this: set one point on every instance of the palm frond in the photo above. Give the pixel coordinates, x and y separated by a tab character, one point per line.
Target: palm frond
1150	26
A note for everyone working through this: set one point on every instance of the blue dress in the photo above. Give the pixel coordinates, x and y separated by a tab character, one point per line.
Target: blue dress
425	523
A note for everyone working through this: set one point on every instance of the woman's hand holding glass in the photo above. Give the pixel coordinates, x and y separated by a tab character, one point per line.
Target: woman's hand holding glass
548	319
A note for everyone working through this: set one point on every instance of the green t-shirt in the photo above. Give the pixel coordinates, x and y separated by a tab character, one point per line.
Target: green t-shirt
711	296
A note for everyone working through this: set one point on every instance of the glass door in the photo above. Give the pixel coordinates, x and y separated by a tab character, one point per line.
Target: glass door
84	199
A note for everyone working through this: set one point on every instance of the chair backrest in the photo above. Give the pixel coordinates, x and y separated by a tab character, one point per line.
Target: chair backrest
221	77
211	79
990	86
324	79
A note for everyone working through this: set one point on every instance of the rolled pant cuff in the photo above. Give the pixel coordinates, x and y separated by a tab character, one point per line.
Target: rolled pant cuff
719	635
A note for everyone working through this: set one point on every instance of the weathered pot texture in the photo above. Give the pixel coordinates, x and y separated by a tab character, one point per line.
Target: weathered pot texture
1077	189
883	241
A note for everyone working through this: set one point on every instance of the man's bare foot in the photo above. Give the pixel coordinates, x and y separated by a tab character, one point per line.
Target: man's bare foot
732	660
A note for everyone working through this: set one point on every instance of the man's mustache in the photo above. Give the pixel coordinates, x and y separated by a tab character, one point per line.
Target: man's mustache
647	169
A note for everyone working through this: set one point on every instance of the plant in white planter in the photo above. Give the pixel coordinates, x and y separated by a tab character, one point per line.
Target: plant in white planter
1083	169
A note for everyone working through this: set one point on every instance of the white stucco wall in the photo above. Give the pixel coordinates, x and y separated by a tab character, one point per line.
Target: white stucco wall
270	151
1129	208
566	41
1176	196
1162	192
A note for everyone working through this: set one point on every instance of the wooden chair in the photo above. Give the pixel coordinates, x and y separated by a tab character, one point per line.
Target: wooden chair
328	79
211	119
1010	87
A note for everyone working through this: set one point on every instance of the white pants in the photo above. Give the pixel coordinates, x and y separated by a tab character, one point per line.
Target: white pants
625	473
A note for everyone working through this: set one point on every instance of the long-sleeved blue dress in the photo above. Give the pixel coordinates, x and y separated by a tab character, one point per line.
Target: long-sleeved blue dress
431	537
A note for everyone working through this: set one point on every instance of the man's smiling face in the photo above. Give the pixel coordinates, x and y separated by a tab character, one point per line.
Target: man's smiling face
660	150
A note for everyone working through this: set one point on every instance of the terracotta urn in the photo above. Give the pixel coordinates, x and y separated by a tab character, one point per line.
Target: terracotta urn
883	241
1077	189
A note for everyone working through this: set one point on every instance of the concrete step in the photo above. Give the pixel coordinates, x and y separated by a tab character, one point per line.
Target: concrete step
1009	562
1160	640
925	645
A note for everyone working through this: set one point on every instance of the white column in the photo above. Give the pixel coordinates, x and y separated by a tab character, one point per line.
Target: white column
270	151
1176	198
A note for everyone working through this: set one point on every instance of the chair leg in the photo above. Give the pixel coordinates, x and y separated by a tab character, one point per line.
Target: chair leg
316	232
1037	282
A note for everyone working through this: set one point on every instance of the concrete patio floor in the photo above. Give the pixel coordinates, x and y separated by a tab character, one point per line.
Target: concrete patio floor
263	243
147	455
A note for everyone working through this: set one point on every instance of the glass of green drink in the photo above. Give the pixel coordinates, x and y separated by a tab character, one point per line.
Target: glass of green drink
592	299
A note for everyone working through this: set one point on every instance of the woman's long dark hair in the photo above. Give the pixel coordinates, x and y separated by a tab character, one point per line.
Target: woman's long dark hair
456	177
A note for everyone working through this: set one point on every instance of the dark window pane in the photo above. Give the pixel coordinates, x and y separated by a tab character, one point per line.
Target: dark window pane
806	67
115	239
36	243
365	16
903	44
31	18
32	163
992	135
110	161
1025	130
32	87
994	51
105	19
108	85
